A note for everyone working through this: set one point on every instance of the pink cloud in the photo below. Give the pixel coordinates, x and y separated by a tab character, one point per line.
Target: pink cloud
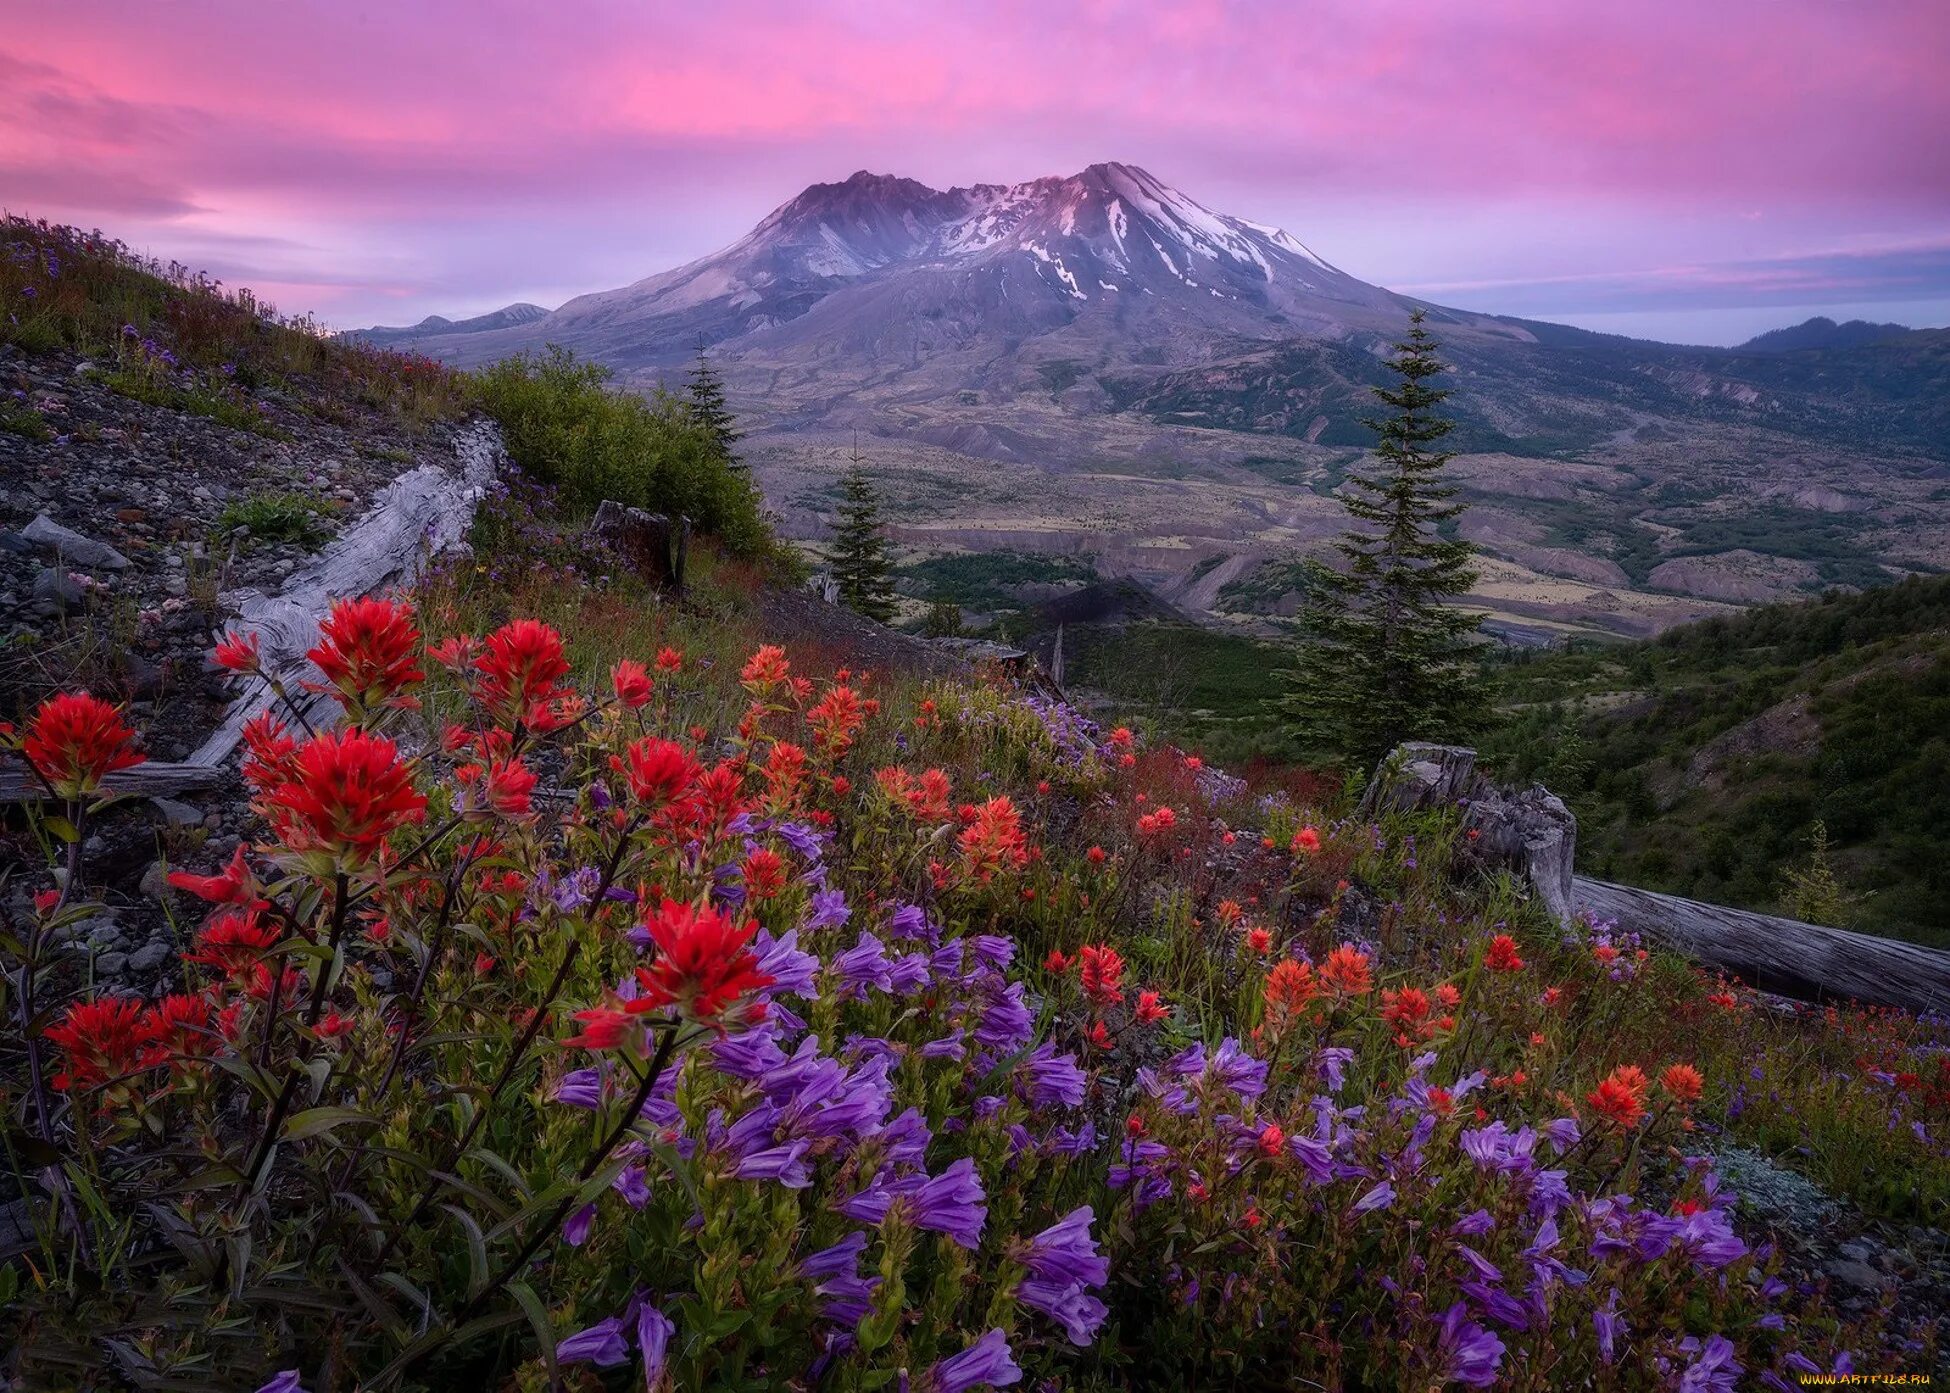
399	125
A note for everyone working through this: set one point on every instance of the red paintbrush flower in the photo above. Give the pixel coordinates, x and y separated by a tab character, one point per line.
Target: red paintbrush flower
233	943
76	740
238	652
1150	1009
1503	955
1102	973
180	1027
347	793
234	884
765	669
519	666
837	718
704	962
993	840
1620	1095
369	651
1683	1082
1289	987
1345	972
764	872
1407	1013
632	683
268	752
657	771
102	1040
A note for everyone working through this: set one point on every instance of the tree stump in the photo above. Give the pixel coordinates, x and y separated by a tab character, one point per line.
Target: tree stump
650	544
1530	832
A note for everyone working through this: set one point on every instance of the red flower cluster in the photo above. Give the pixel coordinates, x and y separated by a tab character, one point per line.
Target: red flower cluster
232	885
1102	972
519	666
1408	1013
704	961
103	1039
75	741
657	771
993	841
1290	987
765	669
234	943
1685	1083
1345	972
925	796
632	683
346	794
1503	955
837	718
1157	824
1620	1095
369	650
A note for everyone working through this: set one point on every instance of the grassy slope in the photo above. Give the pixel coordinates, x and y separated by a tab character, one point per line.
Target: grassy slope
1699	762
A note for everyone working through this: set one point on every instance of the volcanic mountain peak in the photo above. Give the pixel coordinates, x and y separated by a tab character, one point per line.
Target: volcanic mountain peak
856	262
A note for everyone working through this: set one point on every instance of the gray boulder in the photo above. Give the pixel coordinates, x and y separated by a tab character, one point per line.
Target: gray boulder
70	545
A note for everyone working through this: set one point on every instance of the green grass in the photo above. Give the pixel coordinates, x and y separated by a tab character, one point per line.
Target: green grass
275	517
18	418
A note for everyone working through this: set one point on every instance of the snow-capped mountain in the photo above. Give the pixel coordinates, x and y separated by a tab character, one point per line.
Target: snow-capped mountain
893	270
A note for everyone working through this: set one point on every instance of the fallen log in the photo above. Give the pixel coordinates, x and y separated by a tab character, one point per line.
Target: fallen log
417	516
1533	833
1785	956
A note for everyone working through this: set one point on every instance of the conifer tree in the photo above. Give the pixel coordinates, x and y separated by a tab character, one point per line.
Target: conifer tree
1385	658
860	564
705	399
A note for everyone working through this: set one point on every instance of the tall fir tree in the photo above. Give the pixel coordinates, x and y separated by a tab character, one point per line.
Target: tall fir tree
1385	658
705	399
860	565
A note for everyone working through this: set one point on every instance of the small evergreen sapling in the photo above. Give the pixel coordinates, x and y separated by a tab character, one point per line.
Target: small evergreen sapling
860	564
1387	658
705	399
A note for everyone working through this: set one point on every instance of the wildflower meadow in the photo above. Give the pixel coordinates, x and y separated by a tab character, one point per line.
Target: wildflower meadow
616	998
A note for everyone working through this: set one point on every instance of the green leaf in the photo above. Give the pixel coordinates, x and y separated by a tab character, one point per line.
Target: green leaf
62	829
313	1121
544	1327
477	1262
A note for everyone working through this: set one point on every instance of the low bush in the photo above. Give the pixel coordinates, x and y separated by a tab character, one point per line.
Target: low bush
564	425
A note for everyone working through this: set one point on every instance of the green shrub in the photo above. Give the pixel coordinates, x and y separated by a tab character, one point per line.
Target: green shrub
566	427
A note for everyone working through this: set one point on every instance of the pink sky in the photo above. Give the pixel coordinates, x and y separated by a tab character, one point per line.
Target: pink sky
1692	169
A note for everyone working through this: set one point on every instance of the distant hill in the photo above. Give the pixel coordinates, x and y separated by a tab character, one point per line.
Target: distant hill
1821	332
1699	762
435	326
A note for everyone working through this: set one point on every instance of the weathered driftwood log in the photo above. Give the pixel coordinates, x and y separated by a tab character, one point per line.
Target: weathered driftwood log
1532	831
1779	955
1529	831
420	514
